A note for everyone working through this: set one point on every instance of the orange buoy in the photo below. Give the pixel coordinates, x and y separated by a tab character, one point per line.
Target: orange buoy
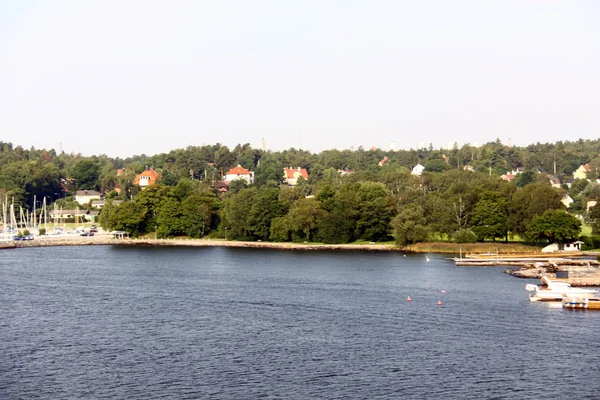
409	299
439	303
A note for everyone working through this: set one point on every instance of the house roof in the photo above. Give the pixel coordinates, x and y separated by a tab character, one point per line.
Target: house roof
88	193
383	161
150	173
554	180
239	170
291	172
508	177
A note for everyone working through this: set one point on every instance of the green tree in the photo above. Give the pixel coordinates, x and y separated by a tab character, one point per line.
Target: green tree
555	226
265	208
152	198
490	218
127	217
86	173
409	225
335	227
375	211
524	178
235	215
531	201
198	213
280	231
304	216
170	219
594	217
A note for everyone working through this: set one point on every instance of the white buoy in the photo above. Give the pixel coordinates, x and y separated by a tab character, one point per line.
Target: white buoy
427	258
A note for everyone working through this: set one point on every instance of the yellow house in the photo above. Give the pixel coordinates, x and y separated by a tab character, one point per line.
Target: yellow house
582	171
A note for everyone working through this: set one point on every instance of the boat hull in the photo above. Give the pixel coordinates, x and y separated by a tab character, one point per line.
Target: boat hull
581	304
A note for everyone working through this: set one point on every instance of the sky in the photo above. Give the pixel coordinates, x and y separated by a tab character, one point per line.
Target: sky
132	77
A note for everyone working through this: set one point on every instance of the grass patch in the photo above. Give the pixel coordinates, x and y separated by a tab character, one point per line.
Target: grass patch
474	248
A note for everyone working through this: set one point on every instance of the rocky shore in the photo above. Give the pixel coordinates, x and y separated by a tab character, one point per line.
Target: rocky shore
581	272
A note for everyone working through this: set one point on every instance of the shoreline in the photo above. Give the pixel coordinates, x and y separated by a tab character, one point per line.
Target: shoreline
472	251
103	240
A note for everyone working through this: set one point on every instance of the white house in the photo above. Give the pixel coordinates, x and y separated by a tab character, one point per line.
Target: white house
85	196
239	172
417	169
551	248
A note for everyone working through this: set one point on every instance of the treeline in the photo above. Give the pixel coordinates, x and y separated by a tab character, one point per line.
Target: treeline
376	202
44	173
455	205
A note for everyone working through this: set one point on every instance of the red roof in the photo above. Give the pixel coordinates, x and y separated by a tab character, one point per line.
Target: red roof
150	173
290	172
239	170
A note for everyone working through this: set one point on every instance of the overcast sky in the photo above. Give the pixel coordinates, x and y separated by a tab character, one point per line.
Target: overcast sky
130	77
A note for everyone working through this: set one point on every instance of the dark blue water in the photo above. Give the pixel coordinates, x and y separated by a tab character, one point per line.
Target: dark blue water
139	323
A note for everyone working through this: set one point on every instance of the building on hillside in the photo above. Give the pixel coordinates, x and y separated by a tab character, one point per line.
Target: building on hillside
417	169
239	172
147	178
567	200
581	172
590	204
221	186
291	175
86	196
468	168
554	181
508	177
344	172
384	161
99	204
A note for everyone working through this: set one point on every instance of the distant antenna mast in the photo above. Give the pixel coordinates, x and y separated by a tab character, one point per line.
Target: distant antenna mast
262	144
60	150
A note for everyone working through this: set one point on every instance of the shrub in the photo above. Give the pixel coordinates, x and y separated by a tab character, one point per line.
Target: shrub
26	233
588	243
464	236
42	231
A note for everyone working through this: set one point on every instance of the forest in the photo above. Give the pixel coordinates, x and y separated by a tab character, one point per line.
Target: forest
459	197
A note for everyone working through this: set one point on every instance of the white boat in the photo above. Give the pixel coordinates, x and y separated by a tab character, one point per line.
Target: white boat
551	290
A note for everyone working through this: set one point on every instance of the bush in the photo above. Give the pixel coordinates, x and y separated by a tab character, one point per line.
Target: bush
42	231
464	236
588	243
26	233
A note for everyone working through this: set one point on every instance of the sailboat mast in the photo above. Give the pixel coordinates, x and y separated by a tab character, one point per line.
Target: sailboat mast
45	216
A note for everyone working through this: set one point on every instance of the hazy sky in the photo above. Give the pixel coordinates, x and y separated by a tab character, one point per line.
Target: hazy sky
129	77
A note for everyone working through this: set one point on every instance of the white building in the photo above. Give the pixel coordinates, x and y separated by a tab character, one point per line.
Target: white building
85	196
239	172
417	169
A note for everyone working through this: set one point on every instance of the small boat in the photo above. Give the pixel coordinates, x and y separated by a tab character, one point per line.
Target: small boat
577	303
556	290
